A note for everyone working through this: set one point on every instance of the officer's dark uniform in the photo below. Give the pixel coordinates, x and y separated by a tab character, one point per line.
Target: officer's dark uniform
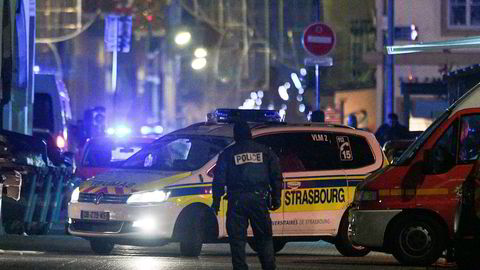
249	170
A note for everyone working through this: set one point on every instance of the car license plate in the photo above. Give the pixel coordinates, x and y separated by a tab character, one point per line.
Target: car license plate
94	215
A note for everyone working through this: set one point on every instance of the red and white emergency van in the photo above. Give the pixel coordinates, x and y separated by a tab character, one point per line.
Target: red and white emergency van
408	208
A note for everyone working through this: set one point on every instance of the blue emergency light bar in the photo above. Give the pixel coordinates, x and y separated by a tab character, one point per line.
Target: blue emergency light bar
231	115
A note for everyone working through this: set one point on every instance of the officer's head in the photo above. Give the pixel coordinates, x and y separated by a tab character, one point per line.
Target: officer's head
241	131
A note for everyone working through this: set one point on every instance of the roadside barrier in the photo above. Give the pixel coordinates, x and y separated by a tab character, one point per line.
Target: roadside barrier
35	191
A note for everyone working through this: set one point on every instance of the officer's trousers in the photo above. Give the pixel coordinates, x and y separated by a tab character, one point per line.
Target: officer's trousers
242	209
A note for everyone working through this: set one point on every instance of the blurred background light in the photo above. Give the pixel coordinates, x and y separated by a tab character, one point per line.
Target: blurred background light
296	80
183	38
303	71
199	63
110	131
158	129
301	107
282	91
145	130
200	53
122	131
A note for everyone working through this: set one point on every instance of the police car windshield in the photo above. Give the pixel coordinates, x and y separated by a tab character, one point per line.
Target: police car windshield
178	153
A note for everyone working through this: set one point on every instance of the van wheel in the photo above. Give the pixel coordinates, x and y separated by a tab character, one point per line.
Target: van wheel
192	240
343	241
417	240
101	246
278	245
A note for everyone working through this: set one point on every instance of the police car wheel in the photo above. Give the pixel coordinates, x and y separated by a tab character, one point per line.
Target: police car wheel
192	240
343	241
101	246
417	240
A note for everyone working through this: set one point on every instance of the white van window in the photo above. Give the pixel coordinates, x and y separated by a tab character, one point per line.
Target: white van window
43	112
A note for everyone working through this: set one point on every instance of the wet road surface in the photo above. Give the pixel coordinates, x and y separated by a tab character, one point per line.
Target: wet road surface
66	252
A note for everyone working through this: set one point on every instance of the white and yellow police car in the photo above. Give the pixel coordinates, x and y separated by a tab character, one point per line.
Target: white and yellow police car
163	193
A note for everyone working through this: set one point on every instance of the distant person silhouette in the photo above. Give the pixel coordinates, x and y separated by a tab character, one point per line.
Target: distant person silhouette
392	130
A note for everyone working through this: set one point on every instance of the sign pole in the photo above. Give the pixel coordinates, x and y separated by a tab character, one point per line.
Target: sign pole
118	31
114	79
114	66
317	69
318	40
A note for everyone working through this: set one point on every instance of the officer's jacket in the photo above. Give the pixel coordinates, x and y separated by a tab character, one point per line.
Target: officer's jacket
247	166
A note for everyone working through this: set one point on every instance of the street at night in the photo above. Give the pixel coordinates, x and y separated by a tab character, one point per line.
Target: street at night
134	134
66	252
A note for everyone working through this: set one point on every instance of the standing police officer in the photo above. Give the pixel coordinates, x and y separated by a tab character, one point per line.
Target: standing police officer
250	171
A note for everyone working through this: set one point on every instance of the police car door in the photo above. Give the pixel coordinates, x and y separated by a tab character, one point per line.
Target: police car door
275	142
314	195
311	196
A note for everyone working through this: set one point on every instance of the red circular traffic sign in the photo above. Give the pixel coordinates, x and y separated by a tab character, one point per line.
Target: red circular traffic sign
318	39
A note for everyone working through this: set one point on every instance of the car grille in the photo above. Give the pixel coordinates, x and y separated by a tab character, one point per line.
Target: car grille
102	226
96	226
104	198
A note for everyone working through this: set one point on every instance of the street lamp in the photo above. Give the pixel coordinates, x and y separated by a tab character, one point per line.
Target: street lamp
199	63
200	53
183	38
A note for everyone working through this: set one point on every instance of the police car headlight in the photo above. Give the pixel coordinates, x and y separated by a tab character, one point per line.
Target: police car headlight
75	195
366	195
149	197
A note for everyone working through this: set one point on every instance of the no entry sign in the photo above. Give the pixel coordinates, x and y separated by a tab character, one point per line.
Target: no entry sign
318	39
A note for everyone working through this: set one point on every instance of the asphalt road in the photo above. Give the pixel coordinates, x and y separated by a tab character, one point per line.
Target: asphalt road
66	252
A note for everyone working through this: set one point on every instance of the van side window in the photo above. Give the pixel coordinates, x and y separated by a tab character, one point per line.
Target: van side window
444	150
469	138
300	151
43	112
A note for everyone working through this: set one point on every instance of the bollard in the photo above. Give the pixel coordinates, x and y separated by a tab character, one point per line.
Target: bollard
57	203
32	197
46	197
2	231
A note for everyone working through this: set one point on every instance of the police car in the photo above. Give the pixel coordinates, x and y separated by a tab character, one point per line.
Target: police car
163	194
